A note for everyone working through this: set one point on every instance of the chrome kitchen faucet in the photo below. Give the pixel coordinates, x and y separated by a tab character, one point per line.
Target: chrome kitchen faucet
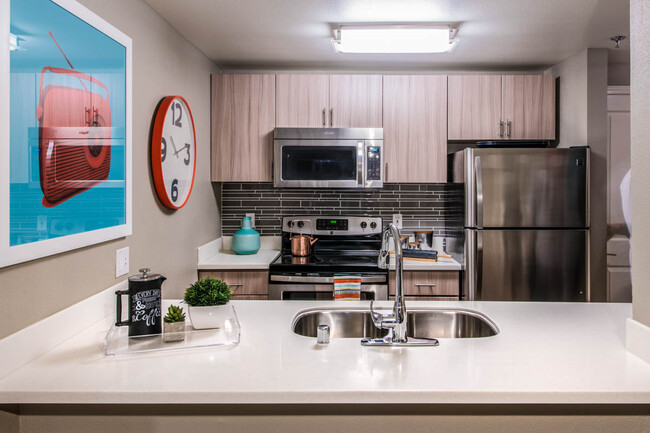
397	321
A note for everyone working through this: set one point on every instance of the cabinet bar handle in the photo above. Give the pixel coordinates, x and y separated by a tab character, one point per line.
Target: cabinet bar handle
508	128
331	117
386	172
324	120
235	284
425	285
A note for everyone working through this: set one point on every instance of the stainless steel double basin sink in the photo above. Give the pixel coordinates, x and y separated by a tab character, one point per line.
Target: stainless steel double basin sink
422	323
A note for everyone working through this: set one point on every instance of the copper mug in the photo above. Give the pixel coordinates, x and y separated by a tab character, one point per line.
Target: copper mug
301	244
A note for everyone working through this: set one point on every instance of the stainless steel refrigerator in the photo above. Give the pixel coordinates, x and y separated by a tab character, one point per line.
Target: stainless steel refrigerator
526	223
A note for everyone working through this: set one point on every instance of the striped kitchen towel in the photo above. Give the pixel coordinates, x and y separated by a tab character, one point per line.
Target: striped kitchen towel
347	287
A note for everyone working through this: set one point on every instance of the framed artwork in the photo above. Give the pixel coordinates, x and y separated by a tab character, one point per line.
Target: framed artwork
65	102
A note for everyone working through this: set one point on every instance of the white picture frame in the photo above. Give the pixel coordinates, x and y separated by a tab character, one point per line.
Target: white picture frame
11	255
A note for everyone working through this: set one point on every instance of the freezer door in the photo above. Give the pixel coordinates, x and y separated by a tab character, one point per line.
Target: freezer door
527	188
527	265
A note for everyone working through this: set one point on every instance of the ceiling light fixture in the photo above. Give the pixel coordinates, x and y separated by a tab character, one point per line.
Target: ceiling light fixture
394	39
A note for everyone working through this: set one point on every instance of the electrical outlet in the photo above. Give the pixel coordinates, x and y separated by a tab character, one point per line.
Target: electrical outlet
252	215
397	220
121	262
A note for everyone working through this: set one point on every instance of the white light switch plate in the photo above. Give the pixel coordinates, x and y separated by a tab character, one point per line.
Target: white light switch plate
121	262
252	215
397	220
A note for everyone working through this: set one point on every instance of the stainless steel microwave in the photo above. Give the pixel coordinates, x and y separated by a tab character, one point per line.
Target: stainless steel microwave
328	157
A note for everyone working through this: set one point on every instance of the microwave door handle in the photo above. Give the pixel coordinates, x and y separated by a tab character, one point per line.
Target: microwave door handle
361	164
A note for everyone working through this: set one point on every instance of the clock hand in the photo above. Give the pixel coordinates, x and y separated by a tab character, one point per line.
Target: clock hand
172	139
187	146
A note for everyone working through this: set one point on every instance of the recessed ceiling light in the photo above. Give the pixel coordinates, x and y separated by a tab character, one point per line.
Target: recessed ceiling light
394	39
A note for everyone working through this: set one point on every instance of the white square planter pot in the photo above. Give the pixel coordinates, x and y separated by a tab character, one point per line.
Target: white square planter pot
209	317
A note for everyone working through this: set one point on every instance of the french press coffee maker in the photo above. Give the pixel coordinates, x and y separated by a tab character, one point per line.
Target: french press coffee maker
145	300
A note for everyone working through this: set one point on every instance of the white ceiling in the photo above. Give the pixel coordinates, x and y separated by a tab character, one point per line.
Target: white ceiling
494	34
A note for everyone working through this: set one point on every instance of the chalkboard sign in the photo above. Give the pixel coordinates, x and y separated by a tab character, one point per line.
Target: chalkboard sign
144	307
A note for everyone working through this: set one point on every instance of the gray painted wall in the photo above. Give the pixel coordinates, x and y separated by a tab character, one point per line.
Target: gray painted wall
573	99
164	63
582	81
640	114
618	74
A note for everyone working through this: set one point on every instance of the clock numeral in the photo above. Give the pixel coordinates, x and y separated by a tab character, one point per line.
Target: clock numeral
163	149
174	190
176	106
187	159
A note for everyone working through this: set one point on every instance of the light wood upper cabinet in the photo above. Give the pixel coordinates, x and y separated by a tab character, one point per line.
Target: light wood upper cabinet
340	101
474	107
301	100
355	101
243	118
415	128
528	106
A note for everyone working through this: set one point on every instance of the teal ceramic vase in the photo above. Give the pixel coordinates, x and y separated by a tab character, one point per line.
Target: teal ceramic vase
246	240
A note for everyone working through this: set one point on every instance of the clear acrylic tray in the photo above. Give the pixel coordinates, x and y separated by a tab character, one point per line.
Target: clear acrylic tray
119	343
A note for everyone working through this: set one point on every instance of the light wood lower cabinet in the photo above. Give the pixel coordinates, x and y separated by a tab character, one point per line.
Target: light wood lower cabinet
428	285
246	285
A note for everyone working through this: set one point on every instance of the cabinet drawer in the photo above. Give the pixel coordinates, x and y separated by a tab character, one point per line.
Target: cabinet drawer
428	283
250	298
428	298
243	283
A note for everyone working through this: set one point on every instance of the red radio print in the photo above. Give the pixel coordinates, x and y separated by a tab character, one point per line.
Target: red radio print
74	136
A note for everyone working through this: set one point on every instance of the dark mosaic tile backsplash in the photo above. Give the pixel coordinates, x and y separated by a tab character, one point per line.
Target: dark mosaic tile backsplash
437	206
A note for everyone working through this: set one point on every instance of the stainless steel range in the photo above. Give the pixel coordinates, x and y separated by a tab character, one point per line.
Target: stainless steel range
345	246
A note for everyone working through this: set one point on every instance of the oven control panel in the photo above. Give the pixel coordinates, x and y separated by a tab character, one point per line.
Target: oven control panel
331	224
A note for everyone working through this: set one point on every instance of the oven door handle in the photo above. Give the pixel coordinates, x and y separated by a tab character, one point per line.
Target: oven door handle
326	280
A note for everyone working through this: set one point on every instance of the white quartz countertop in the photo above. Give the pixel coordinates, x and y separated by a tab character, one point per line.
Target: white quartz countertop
218	255
229	260
443	264
545	353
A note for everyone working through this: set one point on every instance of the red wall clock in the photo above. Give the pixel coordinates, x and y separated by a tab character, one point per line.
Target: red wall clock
173	152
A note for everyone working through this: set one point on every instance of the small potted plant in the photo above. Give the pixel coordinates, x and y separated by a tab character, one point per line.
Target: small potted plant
174	329
207	300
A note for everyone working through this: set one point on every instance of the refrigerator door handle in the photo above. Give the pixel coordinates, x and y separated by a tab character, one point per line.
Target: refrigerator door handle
478	264
479	192
469	278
